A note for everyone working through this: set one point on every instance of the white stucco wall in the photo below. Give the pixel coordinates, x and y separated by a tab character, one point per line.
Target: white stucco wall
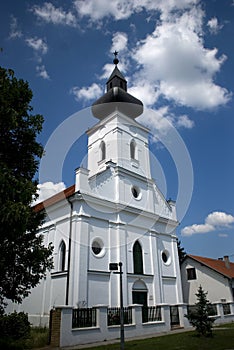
105	209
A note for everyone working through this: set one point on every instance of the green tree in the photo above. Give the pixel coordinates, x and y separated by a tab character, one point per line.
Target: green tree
200	316
24	259
181	252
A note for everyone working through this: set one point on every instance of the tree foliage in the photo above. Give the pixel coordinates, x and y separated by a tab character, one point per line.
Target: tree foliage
181	252
24	259
200	318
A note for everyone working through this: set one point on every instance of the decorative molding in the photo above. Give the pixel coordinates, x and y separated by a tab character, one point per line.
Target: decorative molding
97	272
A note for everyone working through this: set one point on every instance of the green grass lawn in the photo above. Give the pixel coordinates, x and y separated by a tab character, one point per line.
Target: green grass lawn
223	339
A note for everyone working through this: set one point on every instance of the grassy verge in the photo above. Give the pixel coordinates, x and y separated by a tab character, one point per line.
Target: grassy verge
223	338
38	338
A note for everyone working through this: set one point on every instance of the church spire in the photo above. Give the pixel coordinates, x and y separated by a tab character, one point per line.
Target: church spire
116	78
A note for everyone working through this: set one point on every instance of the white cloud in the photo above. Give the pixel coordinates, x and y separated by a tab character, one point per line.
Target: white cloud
119	42
173	58
184	121
50	14
15	32
96	10
42	72
223	235
214	26
213	222
144	91
87	93
202	228
47	190
160	121
218	218
37	44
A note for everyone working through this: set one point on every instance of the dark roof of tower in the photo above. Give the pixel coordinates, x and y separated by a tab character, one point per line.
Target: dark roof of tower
116	73
117	97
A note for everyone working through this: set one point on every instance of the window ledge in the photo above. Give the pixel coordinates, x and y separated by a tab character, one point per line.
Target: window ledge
58	274
135	163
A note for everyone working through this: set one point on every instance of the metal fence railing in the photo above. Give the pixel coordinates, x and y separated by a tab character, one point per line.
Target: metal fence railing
113	316
84	317
212	310
151	314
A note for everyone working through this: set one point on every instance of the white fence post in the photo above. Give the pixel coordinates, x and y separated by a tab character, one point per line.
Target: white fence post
166	316
102	316
183	310
66	324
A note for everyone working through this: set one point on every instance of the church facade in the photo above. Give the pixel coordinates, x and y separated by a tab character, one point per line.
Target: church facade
114	213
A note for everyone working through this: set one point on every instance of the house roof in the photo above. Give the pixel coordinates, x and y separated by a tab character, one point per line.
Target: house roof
56	198
216	265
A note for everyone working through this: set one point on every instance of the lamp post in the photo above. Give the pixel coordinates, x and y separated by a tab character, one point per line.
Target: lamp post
114	267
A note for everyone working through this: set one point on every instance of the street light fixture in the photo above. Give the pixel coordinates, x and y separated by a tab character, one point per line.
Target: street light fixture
114	267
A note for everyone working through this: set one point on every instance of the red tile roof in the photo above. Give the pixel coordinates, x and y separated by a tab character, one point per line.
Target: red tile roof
56	198
217	265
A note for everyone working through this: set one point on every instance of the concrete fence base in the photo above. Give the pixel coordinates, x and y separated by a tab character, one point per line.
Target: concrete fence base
62	333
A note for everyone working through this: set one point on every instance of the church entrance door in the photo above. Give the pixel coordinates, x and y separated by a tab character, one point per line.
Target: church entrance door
139	297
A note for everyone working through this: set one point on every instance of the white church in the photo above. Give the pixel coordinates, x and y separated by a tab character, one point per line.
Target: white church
114	213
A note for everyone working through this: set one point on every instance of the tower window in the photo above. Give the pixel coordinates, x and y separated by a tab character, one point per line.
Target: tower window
137	258
133	149
103	150
62	256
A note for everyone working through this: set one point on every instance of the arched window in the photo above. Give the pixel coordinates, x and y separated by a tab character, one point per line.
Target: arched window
137	258
133	149
62	256
103	150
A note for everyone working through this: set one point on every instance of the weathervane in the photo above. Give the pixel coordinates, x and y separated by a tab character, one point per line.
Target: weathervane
115	60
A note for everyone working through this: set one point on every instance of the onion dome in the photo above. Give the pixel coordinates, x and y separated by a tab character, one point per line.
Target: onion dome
117	98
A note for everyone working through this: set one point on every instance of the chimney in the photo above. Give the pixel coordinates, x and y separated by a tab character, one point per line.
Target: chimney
227	262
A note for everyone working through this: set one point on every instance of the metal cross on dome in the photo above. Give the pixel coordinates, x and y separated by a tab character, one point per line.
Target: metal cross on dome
116	61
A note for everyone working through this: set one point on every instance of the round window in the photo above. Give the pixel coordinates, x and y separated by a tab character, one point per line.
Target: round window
136	192
98	247
166	257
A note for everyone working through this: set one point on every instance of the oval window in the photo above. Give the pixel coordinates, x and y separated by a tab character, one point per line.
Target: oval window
166	257
98	247
136	192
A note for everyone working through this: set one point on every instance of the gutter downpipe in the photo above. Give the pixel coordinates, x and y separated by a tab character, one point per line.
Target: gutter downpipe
69	252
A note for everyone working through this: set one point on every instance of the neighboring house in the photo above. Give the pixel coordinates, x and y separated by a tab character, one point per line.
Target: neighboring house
215	276
114	213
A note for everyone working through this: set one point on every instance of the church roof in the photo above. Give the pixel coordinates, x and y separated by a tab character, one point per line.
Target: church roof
219	266
117	98
116	73
55	199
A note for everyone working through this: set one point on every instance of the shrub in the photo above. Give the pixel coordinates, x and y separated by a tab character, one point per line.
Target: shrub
14	325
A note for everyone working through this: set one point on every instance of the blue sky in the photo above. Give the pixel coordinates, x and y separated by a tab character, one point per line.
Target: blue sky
178	58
